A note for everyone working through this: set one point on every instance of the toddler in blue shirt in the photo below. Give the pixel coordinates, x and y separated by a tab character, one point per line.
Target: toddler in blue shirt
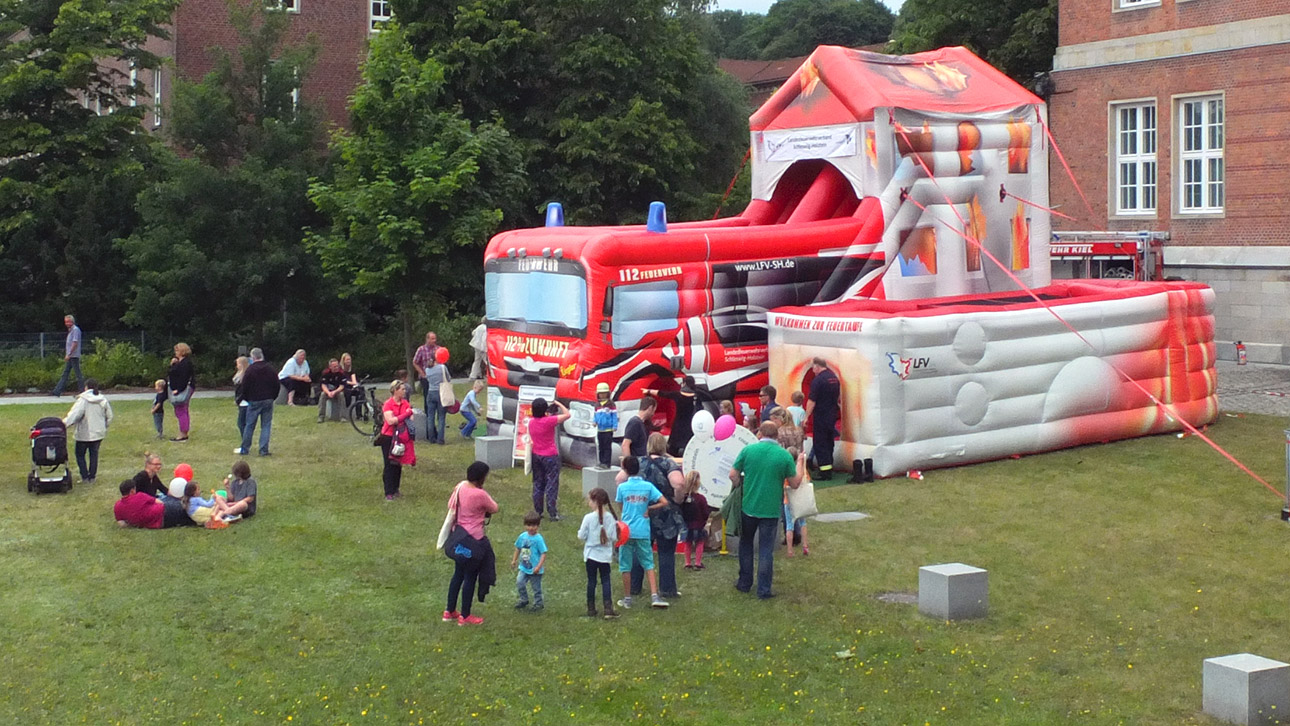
530	559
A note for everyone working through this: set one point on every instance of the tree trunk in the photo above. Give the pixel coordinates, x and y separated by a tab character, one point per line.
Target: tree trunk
408	349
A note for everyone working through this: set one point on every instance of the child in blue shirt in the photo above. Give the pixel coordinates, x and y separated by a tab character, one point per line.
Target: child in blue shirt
159	407
796	410
606	418
530	558
470	410
637	497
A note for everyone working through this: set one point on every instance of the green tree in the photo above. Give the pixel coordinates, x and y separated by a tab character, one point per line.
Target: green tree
221	255
71	157
613	103
796	27
1017	36
416	190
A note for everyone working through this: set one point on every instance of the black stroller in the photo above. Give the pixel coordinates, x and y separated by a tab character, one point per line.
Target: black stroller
48	453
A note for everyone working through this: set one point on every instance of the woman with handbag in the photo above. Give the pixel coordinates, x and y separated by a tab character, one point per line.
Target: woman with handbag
469	508
181	382
439	396
395	439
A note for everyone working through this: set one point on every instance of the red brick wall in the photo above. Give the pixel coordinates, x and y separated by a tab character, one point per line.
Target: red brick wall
1257	145
339	26
1083	21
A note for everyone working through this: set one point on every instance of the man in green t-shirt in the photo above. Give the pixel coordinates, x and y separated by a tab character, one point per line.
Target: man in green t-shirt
766	469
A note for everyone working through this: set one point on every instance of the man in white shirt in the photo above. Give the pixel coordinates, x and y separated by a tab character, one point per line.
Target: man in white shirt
479	342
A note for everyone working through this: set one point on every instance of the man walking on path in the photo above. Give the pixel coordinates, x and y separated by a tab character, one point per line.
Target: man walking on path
766	469
823	409
71	356
259	390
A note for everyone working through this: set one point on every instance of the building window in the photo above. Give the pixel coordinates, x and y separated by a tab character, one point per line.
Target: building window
134	81
1135	158
291	6
380	12
156	97
1200	155
1134	4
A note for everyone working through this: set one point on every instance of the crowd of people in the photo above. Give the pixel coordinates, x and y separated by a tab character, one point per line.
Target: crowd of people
658	504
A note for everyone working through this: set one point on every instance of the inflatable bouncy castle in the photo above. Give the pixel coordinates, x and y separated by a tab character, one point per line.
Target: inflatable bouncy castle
898	223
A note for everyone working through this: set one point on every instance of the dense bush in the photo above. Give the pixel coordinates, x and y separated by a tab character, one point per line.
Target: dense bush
19	374
118	363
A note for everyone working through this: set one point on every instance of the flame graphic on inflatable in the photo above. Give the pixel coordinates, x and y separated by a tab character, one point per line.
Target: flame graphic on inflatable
977	231
918	252
1018	147
1020	239
950	78
810	78
871	147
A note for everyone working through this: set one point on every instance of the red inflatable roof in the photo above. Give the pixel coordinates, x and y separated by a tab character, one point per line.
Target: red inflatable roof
839	85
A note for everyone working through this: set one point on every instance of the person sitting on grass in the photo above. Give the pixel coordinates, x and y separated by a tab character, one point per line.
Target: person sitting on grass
136	509
241	487
200	510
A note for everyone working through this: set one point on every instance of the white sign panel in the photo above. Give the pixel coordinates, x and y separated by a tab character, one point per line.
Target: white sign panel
819	142
713	460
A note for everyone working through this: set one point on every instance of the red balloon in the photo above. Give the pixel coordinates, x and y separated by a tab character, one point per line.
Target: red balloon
184	471
441	355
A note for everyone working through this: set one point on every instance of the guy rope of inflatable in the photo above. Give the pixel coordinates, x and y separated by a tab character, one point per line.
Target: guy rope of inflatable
733	179
1169	410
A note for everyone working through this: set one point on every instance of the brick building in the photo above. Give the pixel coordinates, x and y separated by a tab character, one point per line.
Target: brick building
1175	116
340	27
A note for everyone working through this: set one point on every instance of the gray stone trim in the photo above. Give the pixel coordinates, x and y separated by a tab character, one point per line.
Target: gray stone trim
1276	256
1271	30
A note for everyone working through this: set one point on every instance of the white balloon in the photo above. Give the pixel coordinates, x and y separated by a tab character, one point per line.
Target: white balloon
702	423
177	486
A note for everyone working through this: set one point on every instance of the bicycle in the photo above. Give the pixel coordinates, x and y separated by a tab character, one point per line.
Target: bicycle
363	414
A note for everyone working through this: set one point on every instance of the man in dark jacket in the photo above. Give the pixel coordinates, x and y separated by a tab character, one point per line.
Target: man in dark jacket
259	390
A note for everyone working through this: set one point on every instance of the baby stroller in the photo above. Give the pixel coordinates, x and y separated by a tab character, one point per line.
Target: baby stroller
48	453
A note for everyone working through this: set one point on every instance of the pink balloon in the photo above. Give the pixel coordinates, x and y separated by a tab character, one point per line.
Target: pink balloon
724	428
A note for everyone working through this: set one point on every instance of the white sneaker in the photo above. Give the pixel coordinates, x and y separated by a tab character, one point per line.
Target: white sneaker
239	451
658	602
625	603
232	517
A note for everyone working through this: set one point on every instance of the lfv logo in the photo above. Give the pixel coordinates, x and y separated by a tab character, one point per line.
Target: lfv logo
904	366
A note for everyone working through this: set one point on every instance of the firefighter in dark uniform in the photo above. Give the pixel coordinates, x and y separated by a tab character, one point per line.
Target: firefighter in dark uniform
823	408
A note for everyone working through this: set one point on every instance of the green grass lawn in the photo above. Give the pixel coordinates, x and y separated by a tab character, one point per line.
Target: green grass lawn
1114	571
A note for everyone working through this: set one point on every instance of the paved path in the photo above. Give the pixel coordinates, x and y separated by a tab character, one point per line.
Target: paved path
67	398
1252	388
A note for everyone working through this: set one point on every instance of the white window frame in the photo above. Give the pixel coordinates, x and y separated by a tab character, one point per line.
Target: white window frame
1122	5
290	6
1200	172
374	18
156	97
1135	168
134	79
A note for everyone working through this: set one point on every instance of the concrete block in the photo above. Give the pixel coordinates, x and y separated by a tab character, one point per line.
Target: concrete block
953	591
595	476
335	409
419	424
494	451
1246	689
1245	311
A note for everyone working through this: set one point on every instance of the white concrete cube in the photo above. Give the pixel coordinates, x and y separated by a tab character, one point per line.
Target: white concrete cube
602	477
953	591
494	451
1246	689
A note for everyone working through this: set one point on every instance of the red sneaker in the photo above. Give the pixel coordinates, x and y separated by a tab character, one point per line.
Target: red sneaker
470	620
451	616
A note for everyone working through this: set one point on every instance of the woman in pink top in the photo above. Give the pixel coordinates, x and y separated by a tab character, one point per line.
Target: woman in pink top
546	455
396	413
474	506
